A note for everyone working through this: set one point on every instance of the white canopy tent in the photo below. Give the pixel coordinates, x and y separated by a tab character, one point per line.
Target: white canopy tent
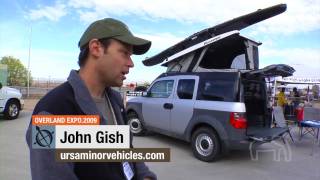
296	81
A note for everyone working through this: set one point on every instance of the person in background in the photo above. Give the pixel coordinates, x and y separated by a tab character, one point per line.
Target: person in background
296	97
282	101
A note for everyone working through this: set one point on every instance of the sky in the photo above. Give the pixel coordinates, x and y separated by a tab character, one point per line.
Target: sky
52	29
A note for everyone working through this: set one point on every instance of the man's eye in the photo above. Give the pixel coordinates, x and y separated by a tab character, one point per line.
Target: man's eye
125	53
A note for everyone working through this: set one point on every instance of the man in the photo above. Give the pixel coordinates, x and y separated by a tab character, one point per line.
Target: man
106	47
295	98
281	98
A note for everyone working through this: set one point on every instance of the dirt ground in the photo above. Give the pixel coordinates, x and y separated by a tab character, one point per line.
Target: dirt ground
29	104
316	105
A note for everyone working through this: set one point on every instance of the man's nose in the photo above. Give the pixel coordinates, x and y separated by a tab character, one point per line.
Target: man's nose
130	63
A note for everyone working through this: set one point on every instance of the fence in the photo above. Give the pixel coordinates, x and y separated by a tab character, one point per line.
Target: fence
3	74
40	91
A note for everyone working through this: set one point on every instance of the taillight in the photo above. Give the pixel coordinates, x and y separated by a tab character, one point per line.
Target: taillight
238	120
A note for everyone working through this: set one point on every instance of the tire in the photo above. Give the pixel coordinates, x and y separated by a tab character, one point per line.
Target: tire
12	110
206	144
136	126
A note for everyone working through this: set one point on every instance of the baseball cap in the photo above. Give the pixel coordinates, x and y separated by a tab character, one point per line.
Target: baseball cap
115	29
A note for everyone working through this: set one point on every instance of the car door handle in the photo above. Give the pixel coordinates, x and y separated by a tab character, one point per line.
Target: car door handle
167	105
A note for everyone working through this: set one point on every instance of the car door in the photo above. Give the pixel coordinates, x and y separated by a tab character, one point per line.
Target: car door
183	103
157	104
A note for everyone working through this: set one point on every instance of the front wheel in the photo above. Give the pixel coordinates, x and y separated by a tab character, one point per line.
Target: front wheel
136	126
205	144
12	110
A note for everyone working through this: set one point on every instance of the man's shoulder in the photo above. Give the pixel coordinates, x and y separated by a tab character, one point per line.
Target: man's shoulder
63	89
56	100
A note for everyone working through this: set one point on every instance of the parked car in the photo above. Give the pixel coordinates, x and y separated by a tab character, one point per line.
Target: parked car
11	102
213	94
214	111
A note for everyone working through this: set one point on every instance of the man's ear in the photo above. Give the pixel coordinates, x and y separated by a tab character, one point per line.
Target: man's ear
95	48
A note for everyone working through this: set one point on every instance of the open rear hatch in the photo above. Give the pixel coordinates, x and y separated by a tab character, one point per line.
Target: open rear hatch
273	71
258	115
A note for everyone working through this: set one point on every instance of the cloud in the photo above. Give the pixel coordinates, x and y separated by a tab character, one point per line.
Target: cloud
53	13
301	16
306	61
308	57
161	41
88	16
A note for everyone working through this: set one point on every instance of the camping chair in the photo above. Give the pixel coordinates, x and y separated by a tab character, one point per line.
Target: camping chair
280	120
309	113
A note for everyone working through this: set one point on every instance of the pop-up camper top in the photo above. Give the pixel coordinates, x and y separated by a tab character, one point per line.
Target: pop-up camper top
220	47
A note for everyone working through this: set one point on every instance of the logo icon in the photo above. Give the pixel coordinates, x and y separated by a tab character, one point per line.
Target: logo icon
43	137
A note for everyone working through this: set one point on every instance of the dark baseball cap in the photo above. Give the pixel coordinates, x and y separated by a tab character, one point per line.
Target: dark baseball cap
112	28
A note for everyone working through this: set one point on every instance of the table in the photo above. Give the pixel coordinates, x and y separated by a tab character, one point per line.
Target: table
313	127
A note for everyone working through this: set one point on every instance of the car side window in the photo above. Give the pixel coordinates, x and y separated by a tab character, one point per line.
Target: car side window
185	88
161	89
216	90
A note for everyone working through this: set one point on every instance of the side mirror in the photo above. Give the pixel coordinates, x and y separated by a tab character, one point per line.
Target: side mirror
146	94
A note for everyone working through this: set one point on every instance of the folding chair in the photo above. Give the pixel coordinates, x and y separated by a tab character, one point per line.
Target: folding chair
280	120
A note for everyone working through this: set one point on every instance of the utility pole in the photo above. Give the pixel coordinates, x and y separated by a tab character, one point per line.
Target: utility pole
28	73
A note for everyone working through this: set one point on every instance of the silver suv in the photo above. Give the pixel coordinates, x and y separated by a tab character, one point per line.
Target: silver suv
213	94
215	111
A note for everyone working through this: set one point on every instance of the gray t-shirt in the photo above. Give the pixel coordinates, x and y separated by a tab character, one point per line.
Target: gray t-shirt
104	106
